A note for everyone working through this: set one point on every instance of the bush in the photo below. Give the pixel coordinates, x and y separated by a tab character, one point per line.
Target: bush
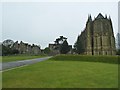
15	51
105	59
47	50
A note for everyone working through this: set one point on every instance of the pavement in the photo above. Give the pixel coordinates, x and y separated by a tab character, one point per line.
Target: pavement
15	64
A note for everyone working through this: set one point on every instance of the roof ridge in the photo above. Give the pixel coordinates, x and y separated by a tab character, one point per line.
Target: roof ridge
100	16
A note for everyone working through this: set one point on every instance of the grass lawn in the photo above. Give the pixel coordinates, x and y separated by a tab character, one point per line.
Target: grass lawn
55	73
19	57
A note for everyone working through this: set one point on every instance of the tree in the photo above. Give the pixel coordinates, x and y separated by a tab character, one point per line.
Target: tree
47	50
8	43
64	48
14	51
57	41
60	40
5	50
78	48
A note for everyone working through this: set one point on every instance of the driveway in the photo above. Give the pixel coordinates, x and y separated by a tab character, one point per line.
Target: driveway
14	64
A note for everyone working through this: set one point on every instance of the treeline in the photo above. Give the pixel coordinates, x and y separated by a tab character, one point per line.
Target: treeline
6	50
9	47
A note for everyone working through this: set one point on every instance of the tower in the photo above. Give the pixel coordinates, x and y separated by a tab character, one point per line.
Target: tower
89	39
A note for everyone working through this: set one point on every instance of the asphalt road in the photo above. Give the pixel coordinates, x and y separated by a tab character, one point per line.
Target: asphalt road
14	64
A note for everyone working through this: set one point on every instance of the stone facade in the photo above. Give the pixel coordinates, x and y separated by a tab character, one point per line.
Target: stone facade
55	49
25	48
98	37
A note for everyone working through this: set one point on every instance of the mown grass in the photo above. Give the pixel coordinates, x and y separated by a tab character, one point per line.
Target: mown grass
59	73
20	57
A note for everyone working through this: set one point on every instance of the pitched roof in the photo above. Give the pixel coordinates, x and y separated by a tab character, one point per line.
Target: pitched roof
100	16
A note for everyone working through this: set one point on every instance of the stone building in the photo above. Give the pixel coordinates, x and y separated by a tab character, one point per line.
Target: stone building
25	48
35	49
55	48
98	37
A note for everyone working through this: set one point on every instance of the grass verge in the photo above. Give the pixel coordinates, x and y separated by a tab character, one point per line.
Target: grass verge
59	73
19	57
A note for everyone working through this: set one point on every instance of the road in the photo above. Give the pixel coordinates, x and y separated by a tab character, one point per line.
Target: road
14	64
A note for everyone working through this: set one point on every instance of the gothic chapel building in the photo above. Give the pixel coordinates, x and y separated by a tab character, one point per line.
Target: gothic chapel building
98	37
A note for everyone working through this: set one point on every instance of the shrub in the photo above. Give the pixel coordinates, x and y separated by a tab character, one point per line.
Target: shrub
105	59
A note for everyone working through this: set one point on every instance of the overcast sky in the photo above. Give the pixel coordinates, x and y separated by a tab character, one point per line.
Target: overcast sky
42	22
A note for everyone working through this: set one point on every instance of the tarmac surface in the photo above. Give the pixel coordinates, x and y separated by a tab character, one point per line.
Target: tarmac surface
14	64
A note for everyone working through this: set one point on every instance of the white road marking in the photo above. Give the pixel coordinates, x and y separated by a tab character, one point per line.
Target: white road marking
14	68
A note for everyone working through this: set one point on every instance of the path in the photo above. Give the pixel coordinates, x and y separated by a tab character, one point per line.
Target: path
14	64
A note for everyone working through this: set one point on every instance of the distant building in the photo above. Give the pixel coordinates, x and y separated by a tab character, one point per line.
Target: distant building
25	48
98	37
55	48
